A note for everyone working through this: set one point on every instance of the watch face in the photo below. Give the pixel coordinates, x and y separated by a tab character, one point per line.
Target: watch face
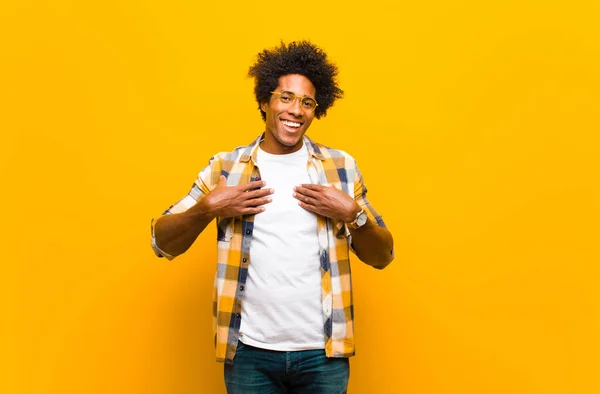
361	219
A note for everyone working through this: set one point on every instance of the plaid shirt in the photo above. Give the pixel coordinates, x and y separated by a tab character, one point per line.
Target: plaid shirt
234	235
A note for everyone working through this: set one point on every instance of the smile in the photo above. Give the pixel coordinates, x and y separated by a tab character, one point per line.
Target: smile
291	124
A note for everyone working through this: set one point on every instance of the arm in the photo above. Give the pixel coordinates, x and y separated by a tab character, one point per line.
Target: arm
372	243
174	233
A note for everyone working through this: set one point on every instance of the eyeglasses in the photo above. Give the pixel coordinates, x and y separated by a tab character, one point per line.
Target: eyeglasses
306	103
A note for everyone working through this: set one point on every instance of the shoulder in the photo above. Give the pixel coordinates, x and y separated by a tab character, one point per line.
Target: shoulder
231	156
240	153
340	157
222	163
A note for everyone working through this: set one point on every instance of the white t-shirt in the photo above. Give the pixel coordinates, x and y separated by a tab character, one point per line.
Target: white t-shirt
281	308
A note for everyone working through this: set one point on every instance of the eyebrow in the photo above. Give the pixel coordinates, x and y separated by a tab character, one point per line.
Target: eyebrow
296	94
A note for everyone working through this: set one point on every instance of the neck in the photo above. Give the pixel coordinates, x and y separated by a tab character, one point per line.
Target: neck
276	148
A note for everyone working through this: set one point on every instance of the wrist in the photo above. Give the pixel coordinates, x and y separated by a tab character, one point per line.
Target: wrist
359	220
201	210
352	214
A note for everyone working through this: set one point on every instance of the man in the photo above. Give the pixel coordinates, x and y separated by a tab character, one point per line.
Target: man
288	211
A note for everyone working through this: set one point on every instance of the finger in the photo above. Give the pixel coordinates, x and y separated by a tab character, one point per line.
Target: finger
252	185
253	211
222	181
258	193
258	201
308	207
305	198
311	186
306	191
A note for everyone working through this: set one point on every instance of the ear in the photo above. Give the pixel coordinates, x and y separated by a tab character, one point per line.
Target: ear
263	106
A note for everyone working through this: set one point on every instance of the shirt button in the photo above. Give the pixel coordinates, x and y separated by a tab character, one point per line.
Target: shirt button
242	287
248	231
244	259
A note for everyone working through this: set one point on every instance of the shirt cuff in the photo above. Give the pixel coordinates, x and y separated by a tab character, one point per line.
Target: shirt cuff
158	251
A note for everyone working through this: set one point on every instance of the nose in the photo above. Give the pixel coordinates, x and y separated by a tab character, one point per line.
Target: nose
295	108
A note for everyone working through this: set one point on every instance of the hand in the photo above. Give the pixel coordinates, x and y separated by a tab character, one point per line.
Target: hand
327	201
228	201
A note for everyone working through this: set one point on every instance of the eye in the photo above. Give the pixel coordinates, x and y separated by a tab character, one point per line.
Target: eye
308	103
286	97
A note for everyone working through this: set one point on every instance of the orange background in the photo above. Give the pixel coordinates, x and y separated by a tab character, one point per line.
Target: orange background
475	125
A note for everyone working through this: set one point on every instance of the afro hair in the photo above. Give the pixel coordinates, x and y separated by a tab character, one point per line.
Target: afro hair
303	58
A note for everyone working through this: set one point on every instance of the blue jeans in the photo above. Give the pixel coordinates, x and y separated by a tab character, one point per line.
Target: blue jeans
261	371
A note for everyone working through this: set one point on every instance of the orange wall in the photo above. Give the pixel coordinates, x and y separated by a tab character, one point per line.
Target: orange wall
486	114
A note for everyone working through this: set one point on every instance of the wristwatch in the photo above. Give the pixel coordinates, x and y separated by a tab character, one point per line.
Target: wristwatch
359	221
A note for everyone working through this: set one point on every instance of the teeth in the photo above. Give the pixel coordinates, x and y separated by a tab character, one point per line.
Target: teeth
291	124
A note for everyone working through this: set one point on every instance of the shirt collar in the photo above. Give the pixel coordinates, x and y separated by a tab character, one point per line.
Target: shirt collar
251	150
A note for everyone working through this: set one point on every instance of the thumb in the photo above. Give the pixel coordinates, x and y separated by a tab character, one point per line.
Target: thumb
222	181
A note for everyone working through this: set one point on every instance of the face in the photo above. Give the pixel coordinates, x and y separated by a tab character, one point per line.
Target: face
287	123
